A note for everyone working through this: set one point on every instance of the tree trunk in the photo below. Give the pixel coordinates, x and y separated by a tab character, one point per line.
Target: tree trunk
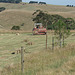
52	43
46	33
63	40
60	41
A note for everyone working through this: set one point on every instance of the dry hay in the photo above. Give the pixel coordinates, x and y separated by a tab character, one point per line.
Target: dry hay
1	34
11	65
26	40
17	33
29	43
17	51
73	34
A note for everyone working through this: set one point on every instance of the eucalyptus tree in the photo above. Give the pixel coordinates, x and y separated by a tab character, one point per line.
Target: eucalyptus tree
55	22
61	31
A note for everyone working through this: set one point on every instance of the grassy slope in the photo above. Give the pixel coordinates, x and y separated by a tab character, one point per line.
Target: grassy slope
16	14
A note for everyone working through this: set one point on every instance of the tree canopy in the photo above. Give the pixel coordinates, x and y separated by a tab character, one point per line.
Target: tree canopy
2	9
40	16
11	1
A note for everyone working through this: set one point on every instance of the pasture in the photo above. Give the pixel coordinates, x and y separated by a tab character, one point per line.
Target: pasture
11	43
38	60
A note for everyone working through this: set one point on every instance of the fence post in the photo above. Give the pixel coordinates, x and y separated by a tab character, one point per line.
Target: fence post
52	43
60	41
63	40
22	60
46	40
46	35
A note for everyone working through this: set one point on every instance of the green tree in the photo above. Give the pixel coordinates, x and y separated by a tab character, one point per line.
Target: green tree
15	28
2	8
70	23
40	16
61	30
11	1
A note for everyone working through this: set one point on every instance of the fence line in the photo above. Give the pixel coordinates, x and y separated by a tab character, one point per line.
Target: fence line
32	46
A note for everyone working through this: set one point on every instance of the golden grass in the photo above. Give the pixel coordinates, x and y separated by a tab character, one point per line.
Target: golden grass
11	18
16	14
38	60
47	62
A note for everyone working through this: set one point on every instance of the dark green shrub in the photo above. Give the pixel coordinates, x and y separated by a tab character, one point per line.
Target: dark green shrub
15	28
2	8
22	24
11	1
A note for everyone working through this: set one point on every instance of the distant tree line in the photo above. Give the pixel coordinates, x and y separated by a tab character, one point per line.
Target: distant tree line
70	5
42	17
11	1
32	2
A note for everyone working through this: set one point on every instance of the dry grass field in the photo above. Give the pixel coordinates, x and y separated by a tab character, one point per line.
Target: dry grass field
16	14
38	60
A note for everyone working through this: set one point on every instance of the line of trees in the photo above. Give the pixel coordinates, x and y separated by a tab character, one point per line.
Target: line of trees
40	16
70	5
33	2
11	1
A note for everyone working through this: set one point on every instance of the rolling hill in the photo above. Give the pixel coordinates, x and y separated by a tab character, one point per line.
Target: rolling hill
16	14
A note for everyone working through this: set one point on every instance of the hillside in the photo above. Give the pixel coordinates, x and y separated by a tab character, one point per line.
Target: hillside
16	14
38	59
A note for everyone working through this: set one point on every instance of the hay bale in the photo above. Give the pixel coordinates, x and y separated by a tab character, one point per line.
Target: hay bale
29	43
17	34
18	51
26	40
73	34
11	65
1	34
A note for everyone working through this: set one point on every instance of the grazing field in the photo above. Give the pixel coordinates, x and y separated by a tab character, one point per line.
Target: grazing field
12	42
38	60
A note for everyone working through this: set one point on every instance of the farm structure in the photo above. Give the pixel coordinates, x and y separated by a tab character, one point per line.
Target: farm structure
39	29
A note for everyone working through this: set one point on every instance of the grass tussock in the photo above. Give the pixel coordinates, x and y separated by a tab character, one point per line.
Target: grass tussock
47	62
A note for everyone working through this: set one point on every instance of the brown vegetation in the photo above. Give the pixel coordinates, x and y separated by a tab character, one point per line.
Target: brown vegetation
29	43
16	14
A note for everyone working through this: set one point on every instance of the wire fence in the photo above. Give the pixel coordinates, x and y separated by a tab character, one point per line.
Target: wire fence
30	48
